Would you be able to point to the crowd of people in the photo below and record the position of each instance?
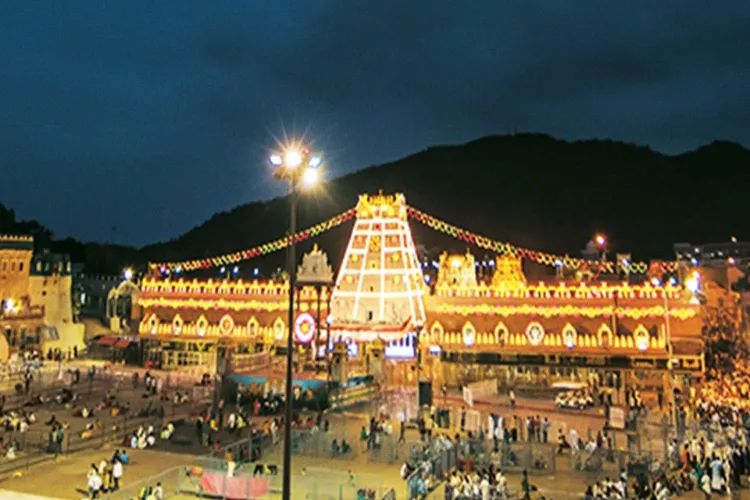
(105, 476)
(487, 484)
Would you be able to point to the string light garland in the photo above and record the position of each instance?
(260, 250)
(499, 247)
(655, 267)
(566, 310)
(158, 288)
(563, 291)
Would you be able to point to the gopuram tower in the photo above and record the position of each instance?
(379, 287)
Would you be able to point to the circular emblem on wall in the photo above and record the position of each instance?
(535, 333)
(304, 328)
(226, 325)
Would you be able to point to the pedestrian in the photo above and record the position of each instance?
(93, 482)
(158, 492)
(116, 473)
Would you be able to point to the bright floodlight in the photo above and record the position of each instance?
(315, 161)
(309, 178)
(600, 240)
(292, 159)
(128, 274)
(276, 160)
(693, 283)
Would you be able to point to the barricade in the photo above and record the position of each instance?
(173, 481)
(390, 494)
(437, 460)
(36, 447)
(390, 450)
(208, 478)
(337, 444)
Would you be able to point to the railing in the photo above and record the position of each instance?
(435, 464)
(248, 362)
(38, 447)
(211, 480)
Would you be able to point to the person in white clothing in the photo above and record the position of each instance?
(158, 492)
(94, 483)
(116, 473)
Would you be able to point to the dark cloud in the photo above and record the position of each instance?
(150, 118)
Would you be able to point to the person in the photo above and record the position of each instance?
(526, 487)
(158, 492)
(116, 473)
(94, 482)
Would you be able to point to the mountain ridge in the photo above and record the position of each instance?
(532, 190)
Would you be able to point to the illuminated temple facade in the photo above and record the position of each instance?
(545, 332)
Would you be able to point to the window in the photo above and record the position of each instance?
(20, 266)
(5, 266)
(369, 315)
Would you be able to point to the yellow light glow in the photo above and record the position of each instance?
(310, 178)
(600, 240)
(292, 159)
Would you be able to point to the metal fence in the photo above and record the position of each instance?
(173, 481)
(344, 444)
(390, 494)
(314, 484)
(35, 447)
(340, 444)
(436, 461)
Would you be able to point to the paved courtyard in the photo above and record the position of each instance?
(65, 478)
(69, 471)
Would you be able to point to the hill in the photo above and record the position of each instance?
(532, 190)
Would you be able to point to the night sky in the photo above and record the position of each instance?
(150, 116)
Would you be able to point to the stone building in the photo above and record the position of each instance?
(50, 286)
(21, 321)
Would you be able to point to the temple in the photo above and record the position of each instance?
(467, 329)
(379, 289)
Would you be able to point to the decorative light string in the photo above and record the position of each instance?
(260, 250)
(655, 267)
(501, 248)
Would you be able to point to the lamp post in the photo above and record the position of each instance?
(299, 168)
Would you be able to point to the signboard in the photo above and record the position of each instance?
(304, 328)
(616, 418)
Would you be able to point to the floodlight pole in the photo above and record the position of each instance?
(288, 414)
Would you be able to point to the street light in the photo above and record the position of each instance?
(299, 168)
